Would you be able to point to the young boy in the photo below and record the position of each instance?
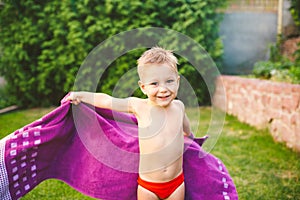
(162, 124)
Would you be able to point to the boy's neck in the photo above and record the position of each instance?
(151, 103)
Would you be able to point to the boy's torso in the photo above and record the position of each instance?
(161, 141)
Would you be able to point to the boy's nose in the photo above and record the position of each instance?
(163, 88)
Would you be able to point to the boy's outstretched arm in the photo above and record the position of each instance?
(101, 100)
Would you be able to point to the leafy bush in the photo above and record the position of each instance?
(279, 68)
(43, 44)
(295, 74)
(5, 98)
(295, 11)
(263, 69)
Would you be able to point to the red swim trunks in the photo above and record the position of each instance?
(162, 190)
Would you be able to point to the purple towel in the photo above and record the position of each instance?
(96, 152)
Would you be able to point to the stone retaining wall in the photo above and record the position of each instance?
(263, 104)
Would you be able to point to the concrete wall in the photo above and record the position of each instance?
(246, 38)
(263, 104)
(248, 29)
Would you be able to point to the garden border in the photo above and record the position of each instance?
(262, 104)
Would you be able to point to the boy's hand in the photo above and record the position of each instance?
(74, 98)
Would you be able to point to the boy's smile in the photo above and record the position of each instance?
(160, 83)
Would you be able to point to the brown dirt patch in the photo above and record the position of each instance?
(290, 46)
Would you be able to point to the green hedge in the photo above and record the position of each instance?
(44, 43)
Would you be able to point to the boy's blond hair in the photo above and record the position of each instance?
(157, 55)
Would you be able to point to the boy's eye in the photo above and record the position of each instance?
(154, 83)
(170, 81)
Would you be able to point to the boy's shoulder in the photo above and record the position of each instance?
(179, 103)
(137, 102)
(137, 105)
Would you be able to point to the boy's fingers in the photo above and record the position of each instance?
(71, 97)
(75, 101)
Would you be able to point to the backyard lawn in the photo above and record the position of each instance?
(260, 168)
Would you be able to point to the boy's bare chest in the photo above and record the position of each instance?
(162, 123)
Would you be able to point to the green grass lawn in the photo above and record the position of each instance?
(260, 168)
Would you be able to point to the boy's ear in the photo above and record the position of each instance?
(178, 82)
(142, 86)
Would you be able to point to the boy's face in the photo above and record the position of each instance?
(160, 83)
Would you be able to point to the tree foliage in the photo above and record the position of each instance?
(43, 43)
(295, 11)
